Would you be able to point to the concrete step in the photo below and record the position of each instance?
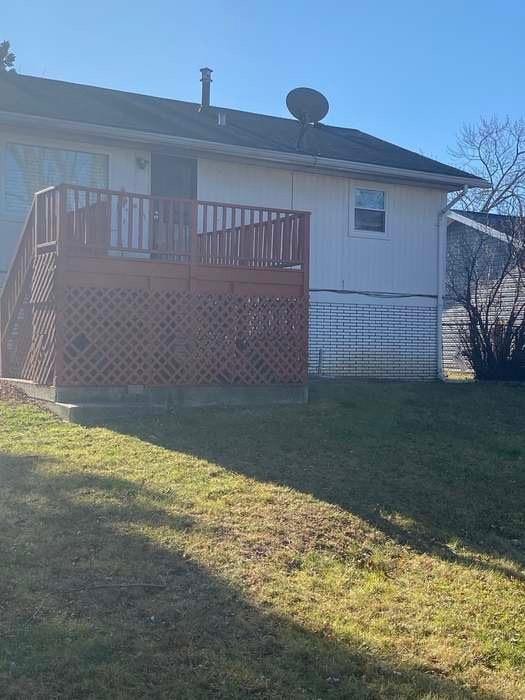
(94, 413)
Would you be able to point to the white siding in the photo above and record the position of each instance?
(327, 199)
(244, 184)
(405, 261)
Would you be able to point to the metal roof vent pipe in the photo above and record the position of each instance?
(206, 85)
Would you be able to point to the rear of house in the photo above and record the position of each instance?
(377, 239)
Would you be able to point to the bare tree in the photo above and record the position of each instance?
(486, 278)
(7, 57)
(486, 281)
(494, 149)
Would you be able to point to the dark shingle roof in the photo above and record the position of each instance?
(94, 105)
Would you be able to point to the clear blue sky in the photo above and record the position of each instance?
(407, 71)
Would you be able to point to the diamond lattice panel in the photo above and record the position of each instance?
(170, 338)
(105, 337)
(122, 336)
(35, 341)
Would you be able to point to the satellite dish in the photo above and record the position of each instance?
(307, 105)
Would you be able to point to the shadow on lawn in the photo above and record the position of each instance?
(431, 465)
(197, 637)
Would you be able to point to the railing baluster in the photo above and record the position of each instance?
(185, 218)
(278, 253)
(163, 228)
(255, 238)
(289, 243)
(293, 242)
(74, 218)
(234, 223)
(141, 224)
(267, 232)
(178, 216)
(85, 218)
(188, 230)
(250, 234)
(242, 230)
(214, 219)
(196, 252)
(259, 253)
(98, 233)
(228, 236)
(166, 235)
(119, 221)
(276, 237)
(50, 231)
(176, 227)
(57, 203)
(166, 221)
(46, 220)
(130, 222)
(267, 239)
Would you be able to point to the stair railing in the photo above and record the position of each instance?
(39, 223)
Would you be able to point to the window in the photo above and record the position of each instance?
(369, 211)
(31, 168)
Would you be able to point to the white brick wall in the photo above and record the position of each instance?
(372, 340)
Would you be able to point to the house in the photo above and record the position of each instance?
(482, 238)
(375, 266)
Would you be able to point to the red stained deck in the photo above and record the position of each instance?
(111, 288)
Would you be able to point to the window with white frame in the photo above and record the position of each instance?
(369, 211)
(32, 168)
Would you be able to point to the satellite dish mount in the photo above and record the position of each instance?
(308, 106)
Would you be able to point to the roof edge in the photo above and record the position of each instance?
(477, 226)
(449, 182)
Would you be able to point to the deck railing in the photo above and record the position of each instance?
(106, 222)
(15, 285)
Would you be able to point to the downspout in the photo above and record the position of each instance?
(441, 270)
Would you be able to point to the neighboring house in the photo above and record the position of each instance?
(482, 237)
(377, 237)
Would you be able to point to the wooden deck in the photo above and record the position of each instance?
(110, 288)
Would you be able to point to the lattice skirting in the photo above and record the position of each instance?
(39, 365)
(19, 340)
(31, 342)
(134, 336)
(369, 340)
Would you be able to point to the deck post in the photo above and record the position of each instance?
(36, 221)
(306, 282)
(194, 242)
(61, 223)
(306, 254)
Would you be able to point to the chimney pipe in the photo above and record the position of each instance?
(206, 84)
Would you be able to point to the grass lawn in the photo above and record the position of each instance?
(368, 545)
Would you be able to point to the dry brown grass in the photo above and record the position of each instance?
(370, 544)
